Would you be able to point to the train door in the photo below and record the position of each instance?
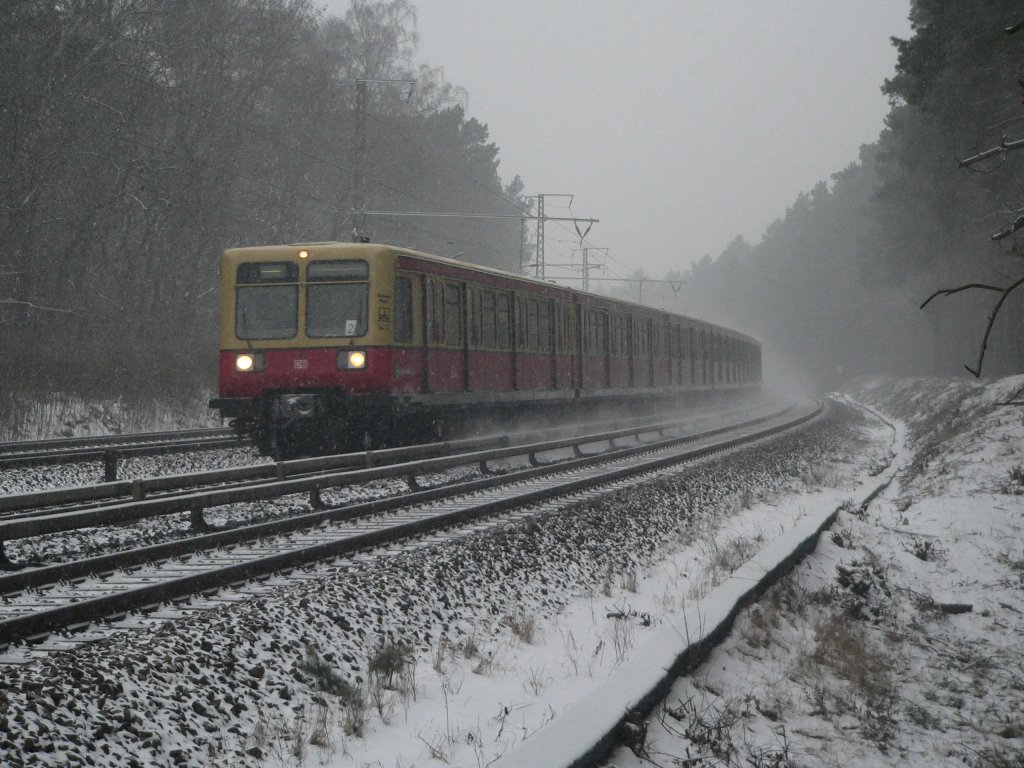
(576, 341)
(595, 349)
(643, 363)
(490, 353)
(627, 346)
(563, 367)
(705, 378)
(673, 353)
(455, 333)
(407, 363)
(445, 352)
(546, 344)
(603, 348)
(691, 354)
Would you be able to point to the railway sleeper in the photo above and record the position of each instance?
(316, 501)
(198, 522)
(138, 492)
(6, 564)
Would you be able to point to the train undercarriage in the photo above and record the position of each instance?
(287, 425)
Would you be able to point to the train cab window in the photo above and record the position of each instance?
(336, 298)
(452, 314)
(403, 309)
(267, 300)
(504, 321)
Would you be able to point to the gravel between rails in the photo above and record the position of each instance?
(194, 691)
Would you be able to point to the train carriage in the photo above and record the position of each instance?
(338, 346)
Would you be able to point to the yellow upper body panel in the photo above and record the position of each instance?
(380, 301)
(380, 280)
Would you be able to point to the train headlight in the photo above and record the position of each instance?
(250, 361)
(351, 359)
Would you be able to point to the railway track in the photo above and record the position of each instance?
(62, 504)
(110, 449)
(38, 602)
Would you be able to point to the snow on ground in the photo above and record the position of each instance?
(862, 656)
(61, 415)
(440, 654)
(454, 654)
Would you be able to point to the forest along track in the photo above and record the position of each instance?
(32, 614)
(111, 448)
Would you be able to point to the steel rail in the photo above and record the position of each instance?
(138, 489)
(88, 609)
(130, 438)
(111, 449)
(12, 528)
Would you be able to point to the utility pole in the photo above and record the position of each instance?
(358, 220)
(541, 218)
(357, 196)
(538, 262)
(587, 266)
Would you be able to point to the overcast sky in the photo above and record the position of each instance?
(679, 124)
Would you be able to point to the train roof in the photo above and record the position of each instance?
(369, 250)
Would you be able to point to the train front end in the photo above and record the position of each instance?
(306, 335)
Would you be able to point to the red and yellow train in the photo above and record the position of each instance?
(338, 346)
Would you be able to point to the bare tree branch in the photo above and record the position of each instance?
(991, 321)
(951, 291)
(1002, 149)
(1004, 293)
(41, 307)
(1017, 224)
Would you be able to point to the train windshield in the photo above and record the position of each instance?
(336, 298)
(266, 304)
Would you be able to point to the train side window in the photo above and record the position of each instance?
(560, 326)
(504, 321)
(570, 324)
(435, 317)
(403, 309)
(617, 336)
(544, 325)
(487, 318)
(531, 341)
(473, 312)
(452, 314)
(639, 337)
